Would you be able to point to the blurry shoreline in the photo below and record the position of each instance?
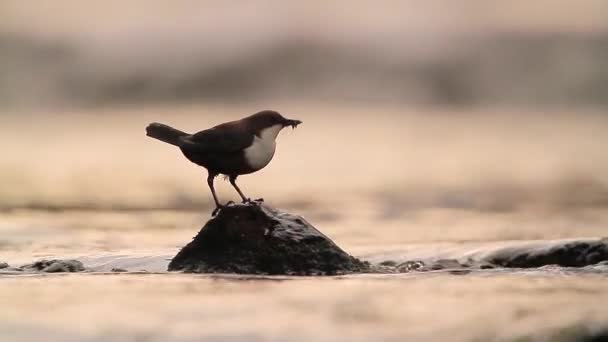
(534, 70)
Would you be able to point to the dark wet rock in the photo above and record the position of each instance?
(446, 264)
(257, 239)
(52, 266)
(3, 265)
(565, 254)
(118, 270)
(578, 333)
(460, 272)
(389, 263)
(409, 266)
(594, 336)
(421, 266)
(382, 269)
(485, 266)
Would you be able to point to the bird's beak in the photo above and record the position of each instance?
(292, 123)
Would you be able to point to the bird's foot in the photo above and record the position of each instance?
(255, 201)
(220, 207)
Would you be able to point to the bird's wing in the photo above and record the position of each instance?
(215, 141)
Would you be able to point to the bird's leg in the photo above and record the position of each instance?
(233, 182)
(218, 206)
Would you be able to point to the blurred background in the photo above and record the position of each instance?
(466, 106)
(548, 54)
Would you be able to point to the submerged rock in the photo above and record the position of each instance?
(388, 263)
(412, 265)
(421, 266)
(442, 264)
(54, 266)
(577, 333)
(256, 239)
(566, 254)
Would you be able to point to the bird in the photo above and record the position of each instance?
(231, 149)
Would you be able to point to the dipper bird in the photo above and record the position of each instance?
(232, 149)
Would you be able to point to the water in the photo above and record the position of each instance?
(460, 186)
(159, 307)
(147, 303)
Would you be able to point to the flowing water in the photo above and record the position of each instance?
(384, 184)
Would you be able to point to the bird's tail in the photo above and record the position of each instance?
(165, 133)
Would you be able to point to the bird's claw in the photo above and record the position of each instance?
(249, 200)
(229, 203)
(220, 207)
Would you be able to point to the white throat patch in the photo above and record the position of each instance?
(260, 153)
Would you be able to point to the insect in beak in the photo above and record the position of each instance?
(292, 123)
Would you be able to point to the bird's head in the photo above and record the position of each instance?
(271, 120)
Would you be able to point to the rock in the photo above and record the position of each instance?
(460, 272)
(577, 333)
(52, 266)
(118, 270)
(421, 266)
(3, 265)
(594, 336)
(389, 263)
(446, 264)
(565, 254)
(256, 239)
(382, 269)
(412, 265)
